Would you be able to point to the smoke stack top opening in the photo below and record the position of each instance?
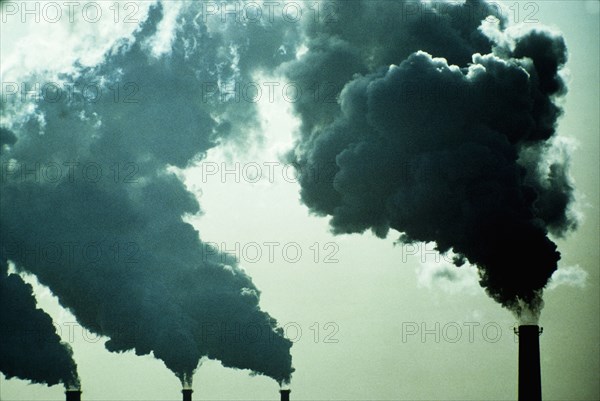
(73, 395)
(187, 394)
(285, 394)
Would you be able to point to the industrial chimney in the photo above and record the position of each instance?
(187, 394)
(285, 395)
(73, 395)
(530, 379)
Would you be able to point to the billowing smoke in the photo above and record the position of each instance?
(25, 328)
(444, 130)
(90, 203)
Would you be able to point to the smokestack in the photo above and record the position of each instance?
(530, 379)
(73, 395)
(187, 394)
(285, 395)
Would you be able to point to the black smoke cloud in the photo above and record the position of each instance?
(25, 328)
(442, 132)
(99, 220)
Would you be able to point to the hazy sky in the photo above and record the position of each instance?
(369, 320)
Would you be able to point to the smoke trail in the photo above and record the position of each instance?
(24, 328)
(458, 150)
(89, 204)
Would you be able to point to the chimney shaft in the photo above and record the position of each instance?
(530, 379)
(187, 394)
(285, 395)
(73, 395)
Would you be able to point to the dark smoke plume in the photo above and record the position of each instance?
(444, 130)
(30, 348)
(90, 206)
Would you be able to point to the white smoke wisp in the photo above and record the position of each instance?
(441, 274)
(569, 276)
